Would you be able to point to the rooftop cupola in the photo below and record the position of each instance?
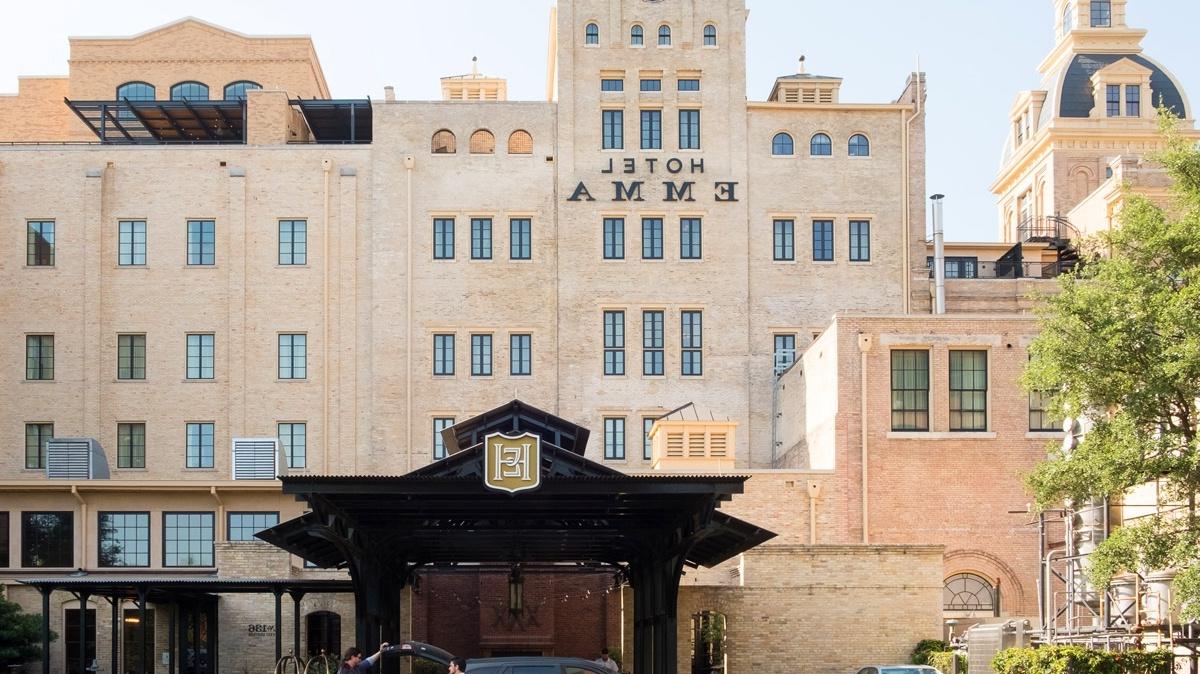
(474, 86)
(804, 87)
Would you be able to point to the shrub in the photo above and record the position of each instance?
(1079, 660)
(920, 654)
(942, 660)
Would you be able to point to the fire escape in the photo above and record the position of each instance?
(1052, 230)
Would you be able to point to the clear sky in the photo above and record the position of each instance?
(977, 56)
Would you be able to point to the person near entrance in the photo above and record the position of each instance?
(457, 666)
(606, 662)
(353, 661)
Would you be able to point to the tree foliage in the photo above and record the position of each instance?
(20, 635)
(1120, 346)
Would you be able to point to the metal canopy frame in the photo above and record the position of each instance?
(382, 529)
(128, 122)
(337, 121)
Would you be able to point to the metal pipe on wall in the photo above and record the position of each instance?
(939, 256)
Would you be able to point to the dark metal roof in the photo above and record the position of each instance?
(514, 418)
(807, 76)
(337, 121)
(1076, 98)
(168, 586)
(151, 122)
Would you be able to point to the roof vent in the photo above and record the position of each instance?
(75, 459)
(255, 458)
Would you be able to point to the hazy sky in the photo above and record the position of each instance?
(977, 56)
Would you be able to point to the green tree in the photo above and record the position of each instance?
(20, 635)
(1120, 346)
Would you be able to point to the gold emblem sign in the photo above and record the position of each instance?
(512, 463)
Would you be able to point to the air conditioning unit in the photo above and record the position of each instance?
(255, 458)
(75, 459)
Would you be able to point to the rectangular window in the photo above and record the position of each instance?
(439, 445)
(612, 85)
(201, 242)
(692, 342)
(1113, 98)
(689, 129)
(481, 238)
(785, 240)
(957, 267)
(652, 238)
(1040, 416)
(73, 637)
(243, 526)
(39, 245)
(131, 243)
(293, 242)
(131, 445)
(131, 356)
(520, 240)
(200, 356)
(124, 539)
(36, 436)
(822, 240)
(910, 390)
(860, 240)
(4, 540)
(48, 540)
(132, 657)
(651, 85)
(443, 354)
(481, 355)
(1101, 13)
(968, 390)
(1133, 100)
(653, 343)
(293, 436)
(200, 445)
(293, 356)
(39, 357)
(785, 351)
(520, 355)
(443, 238)
(614, 342)
(689, 238)
(614, 438)
(647, 448)
(689, 85)
(614, 238)
(613, 129)
(651, 129)
(188, 539)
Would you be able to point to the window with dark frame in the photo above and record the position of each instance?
(131, 243)
(691, 343)
(236, 91)
(614, 343)
(39, 248)
(200, 356)
(653, 343)
(785, 351)
(647, 445)
(614, 238)
(293, 436)
(968, 390)
(131, 356)
(481, 238)
(199, 452)
(1133, 100)
(860, 241)
(689, 239)
(689, 129)
(612, 129)
(688, 84)
(957, 266)
(241, 526)
(664, 36)
(443, 238)
(651, 129)
(201, 243)
(520, 240)
(188, 539)
(859, 146)
(1041, 418)
(439, 445)
(782, 145)
(614, 438)
(1113, 99)
(591, 34)
(784, 248)
(5, 537)
(131, 445)
(820, 145)
(636, 36)
(36, 435)
(910, 390)
(39, 357)
(1101, 13)
(74, 637)
(652, 238)
(520, 355)
(293, 355)
(293, 242)
(124, 539)
(481, 355)
(192, 91)
(612, 84)
(822, 250)
(48, 540)
(443, 355)
(650, 84)
(710, 35)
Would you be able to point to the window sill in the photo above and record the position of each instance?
(210, 380)
(199, 470)
(292, 381)
(132, 266)
(941, 435)
(860, 263)
(825, 262)
(130, 381)
(37, 381)
(1044, 435)
(291, 266)
(784, 262)
(200, 266)
(40, 266)
(131, 470)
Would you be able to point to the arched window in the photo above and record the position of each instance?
(483, 142)
(710, 35)
(708, 642)
(1068, 18)
(860, 146)
(192, 91)
(520, 142)
(444, 142)
(135, 91)
(967, 592)
(324, 630)
(236, 91)
(591, 34)
(820, 145)
(635, 36)
(664, 35)
(782, 145)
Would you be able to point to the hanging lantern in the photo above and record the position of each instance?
(516, 591)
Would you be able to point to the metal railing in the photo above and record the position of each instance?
(1014, 270)
(1046, 228)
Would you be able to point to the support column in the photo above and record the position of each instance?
(83, 663)
(45, 629)
(115, 656)
(278, 624)
(655, 599)
(170, 640)
(142, 617)
(297, 595)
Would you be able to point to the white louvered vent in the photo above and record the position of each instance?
(75, 459)
(255, 458)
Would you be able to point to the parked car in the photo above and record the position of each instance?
(523, 664)
(898, 669)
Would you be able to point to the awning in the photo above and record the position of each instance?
(337, 121)
(152, 122)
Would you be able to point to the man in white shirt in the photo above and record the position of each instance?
(607, 662)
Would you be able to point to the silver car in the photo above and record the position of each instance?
(898, 669)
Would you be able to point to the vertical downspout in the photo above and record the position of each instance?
(326, 167)
(906, 281)
(864, 347)
(939, 256)
(410, 162)
(83, 532)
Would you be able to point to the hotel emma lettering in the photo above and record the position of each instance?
(674, 189)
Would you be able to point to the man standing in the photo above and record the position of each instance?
(607, 662)
(457, 666)
(354, 663)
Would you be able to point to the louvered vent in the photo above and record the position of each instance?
(75, 459)
(692, 445)
(255, 458)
